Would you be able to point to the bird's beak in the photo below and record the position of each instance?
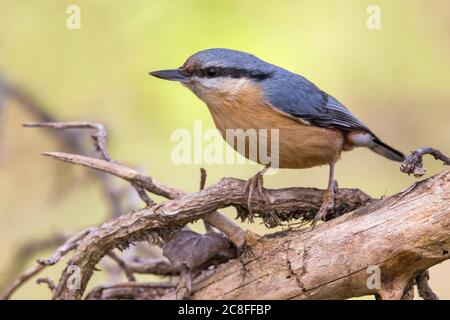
(172, 75)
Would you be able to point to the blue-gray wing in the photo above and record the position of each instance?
(297, 97)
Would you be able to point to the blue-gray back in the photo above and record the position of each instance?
(287, 91)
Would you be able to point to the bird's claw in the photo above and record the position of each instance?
(255, 182)
(327, 204)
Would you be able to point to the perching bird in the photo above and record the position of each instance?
(245, 92)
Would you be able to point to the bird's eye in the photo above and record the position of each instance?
(211, 72)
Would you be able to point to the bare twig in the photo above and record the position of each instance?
(227, 226)
(24, 277)
(232, 230)
(413, 164)
(28, 250)
(425, 292)
(143, 195)
(123, 265)
(156, 266)
(408, 292)
(73, 142)
(309, 199)
(67, 246)
(115, 196)
(50, 284)
(99, 138)
(99, 135)
(208, 227)
(114, 168)
(202, 178)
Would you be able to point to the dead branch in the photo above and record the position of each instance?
(156, 266)
(74, 143)
(99, 138)
(286, 204)
(27, 251)
(413, 164)
(123, 265)
(50, 284)
(203, 176)
(176, 213)
(423, 287)
(402, 235)
(67, 246)
(290, 257)
(99, 135)
(234, 232)
(231, 229)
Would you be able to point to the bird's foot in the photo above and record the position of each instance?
(327, 204)
(255, 183)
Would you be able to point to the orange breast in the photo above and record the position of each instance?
(300, 145)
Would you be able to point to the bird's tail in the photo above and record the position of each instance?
(383, 149)
(369, 140)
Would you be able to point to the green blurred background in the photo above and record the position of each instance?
(395, 79)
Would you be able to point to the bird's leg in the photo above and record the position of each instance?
(255, 182)
(328, 198)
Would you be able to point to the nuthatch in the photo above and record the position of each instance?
(244, 92)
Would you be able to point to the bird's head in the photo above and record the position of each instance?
(224, 72)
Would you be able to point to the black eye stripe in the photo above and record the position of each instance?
(214, 72)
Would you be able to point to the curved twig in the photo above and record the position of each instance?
(413, 164)
(62, 250)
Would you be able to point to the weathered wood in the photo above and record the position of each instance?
(402, 235)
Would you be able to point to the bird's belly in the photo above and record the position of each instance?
(299, 145)
(307, 146)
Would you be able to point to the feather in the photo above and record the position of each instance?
(297, 97)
